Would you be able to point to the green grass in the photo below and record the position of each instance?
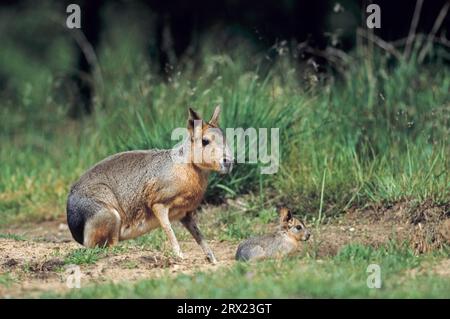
(84, 256)
(234, 225)
(343, 276)
(6, 280)
(88, 256)
(155, 240)
(12, 236)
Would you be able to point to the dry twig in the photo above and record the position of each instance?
(434, 30)
(412, 29)
(380, 42)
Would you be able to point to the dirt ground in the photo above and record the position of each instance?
(37, 264)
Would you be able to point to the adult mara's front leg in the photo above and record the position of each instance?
(189, 222)
(162, 214)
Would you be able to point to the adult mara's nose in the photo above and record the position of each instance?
(306, 236)
(226, 165)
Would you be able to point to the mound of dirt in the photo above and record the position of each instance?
(426, 226)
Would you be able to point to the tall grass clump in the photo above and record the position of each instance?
(384, 137)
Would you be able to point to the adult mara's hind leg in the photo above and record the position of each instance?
(102, 228)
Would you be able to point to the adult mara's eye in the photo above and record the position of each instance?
(294, 229)
(205, 142)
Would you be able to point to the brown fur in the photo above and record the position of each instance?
(131, 193)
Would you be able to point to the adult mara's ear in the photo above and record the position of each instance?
(285, 215)
(215, 117)
(193, 116)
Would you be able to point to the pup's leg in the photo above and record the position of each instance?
(189, 222)
(162, 214)
(102, 229)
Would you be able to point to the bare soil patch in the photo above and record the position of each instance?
(426, 226)
(38, 264)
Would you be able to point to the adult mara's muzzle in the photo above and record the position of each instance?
(226, 166)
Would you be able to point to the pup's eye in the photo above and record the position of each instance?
(205, 142)
(299, 227)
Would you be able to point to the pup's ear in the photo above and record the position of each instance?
(215, 117)
(193, 116)
(285, 215)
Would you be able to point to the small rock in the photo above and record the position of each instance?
(352, 229)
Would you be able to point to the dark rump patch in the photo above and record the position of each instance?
(79, 210)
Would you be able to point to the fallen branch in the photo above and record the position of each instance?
(381, 43)
(413, 28)
(88, 52)
(434, 30)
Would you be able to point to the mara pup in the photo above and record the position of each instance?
(131, 193)
(282, 243)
